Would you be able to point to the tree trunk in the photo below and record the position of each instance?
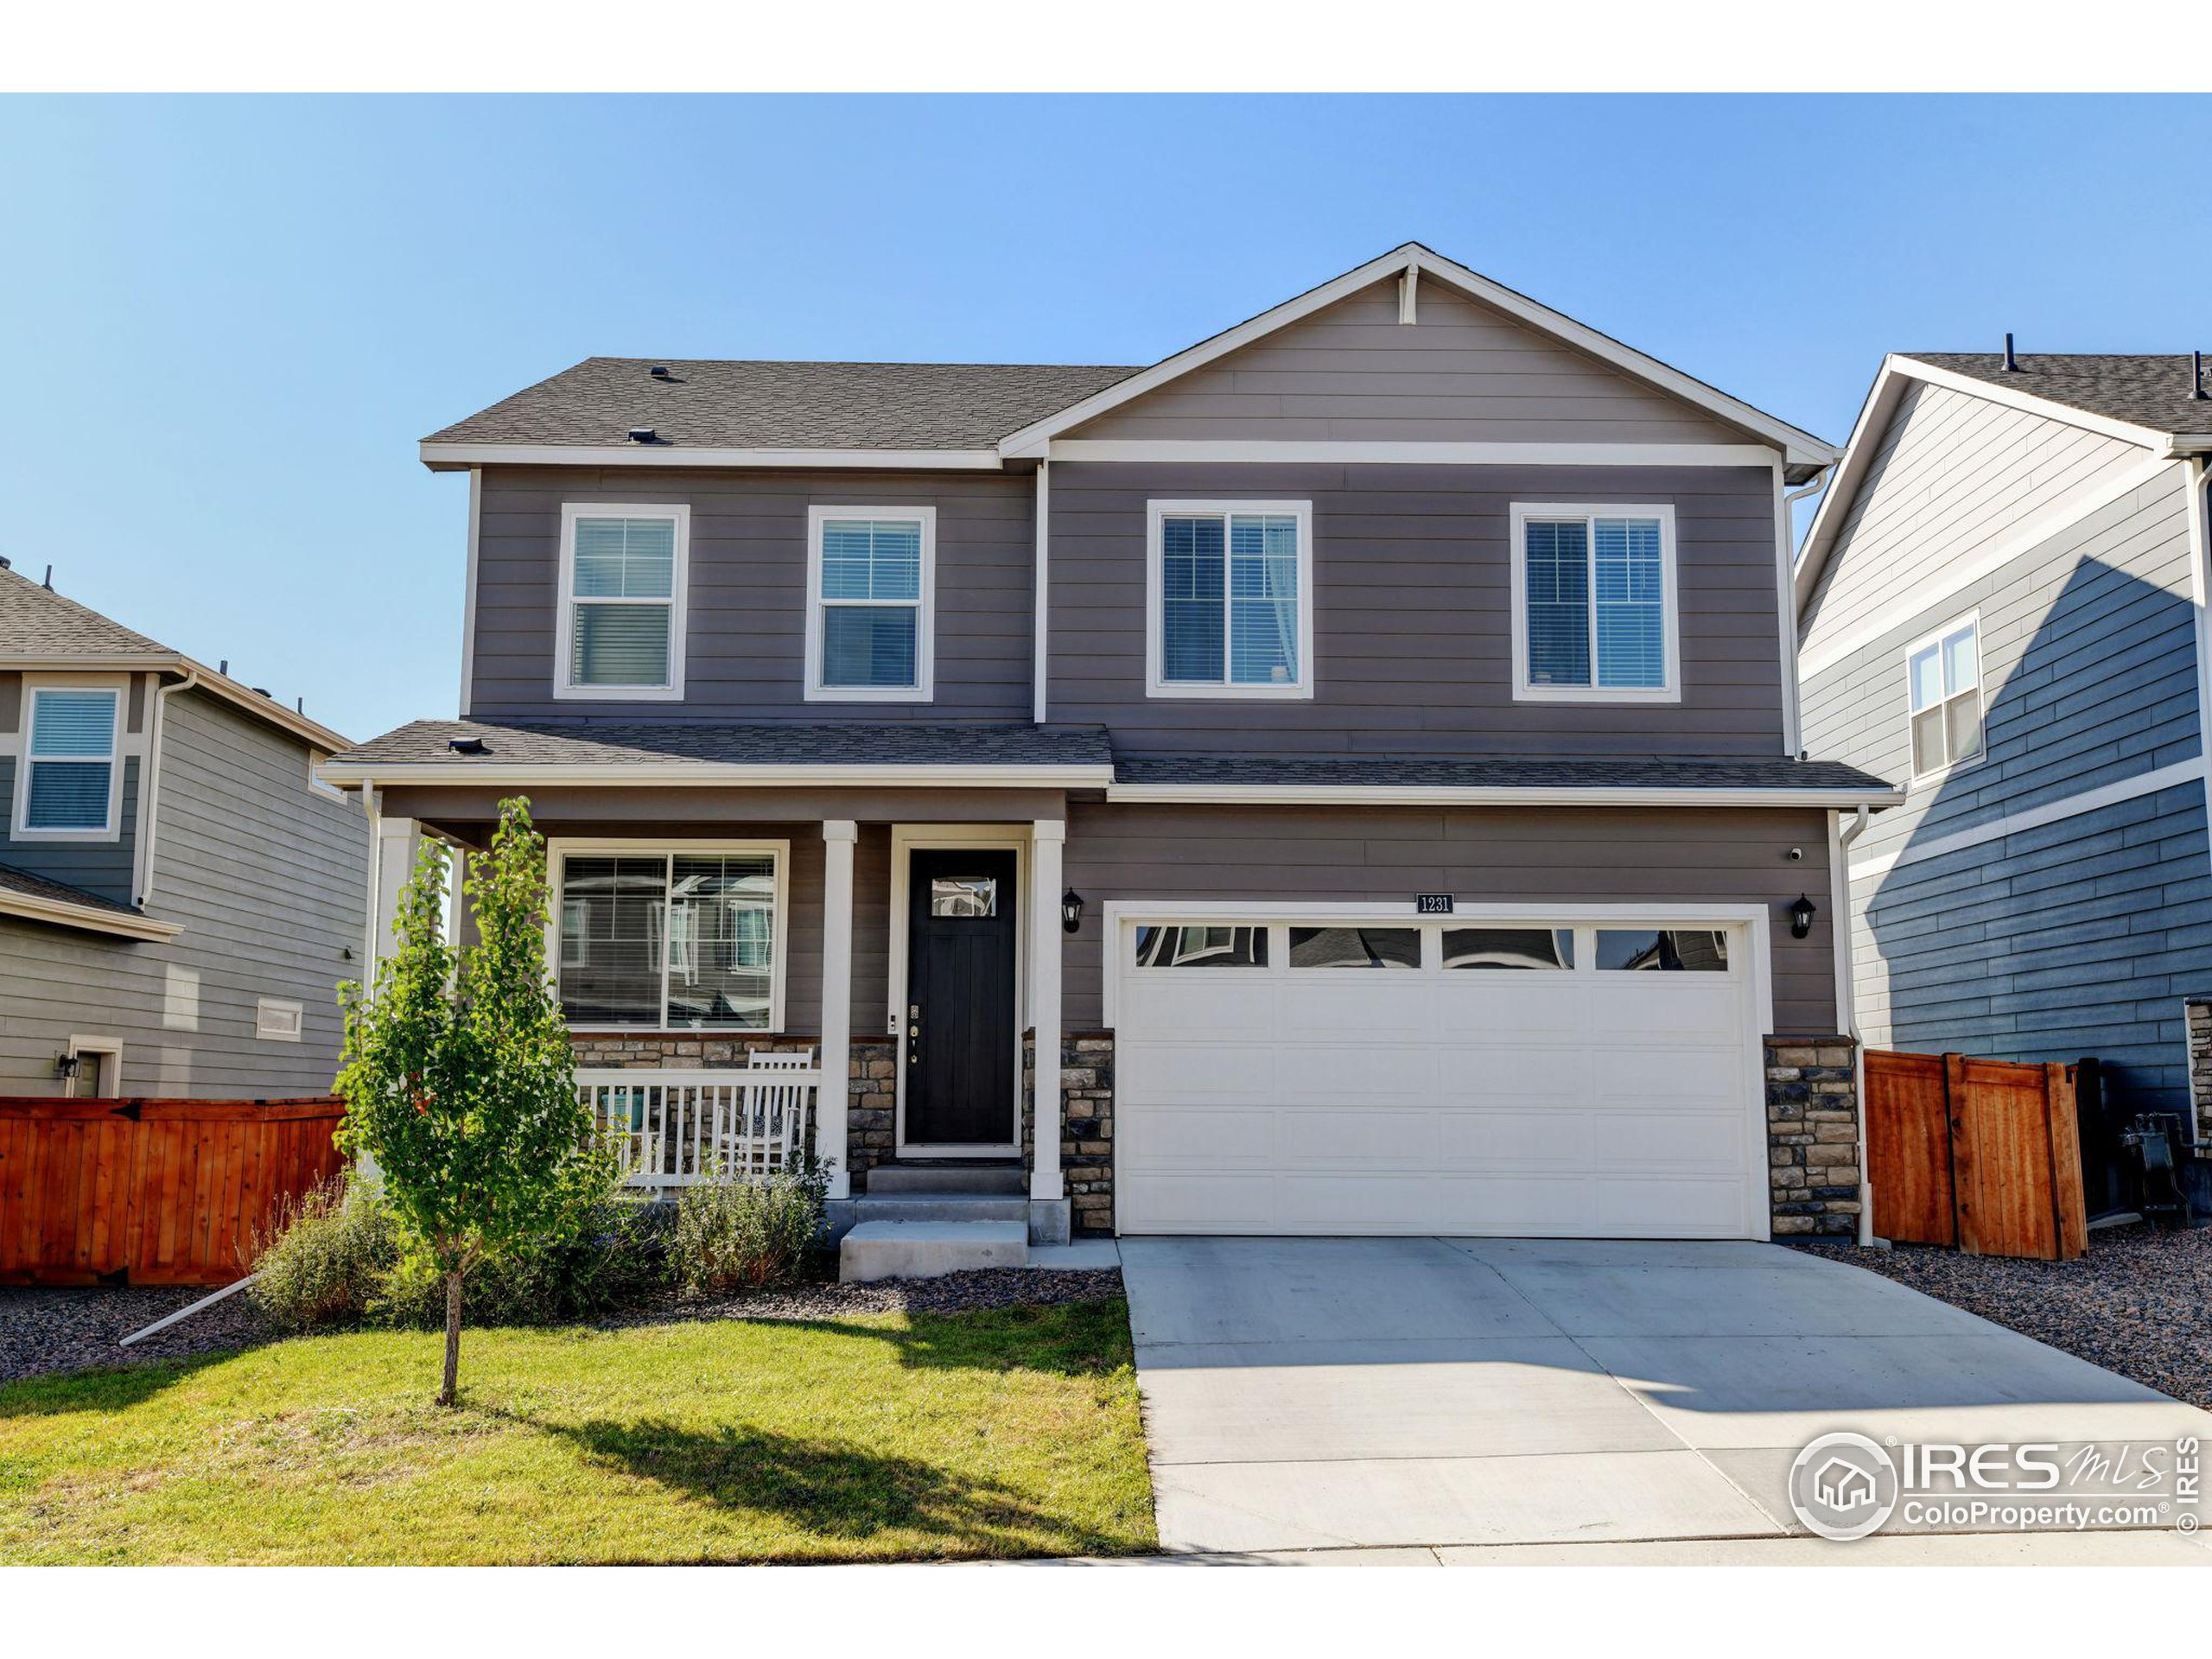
(453, 1339)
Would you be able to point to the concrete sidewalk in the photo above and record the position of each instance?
(1306, 1395)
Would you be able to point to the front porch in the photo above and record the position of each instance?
(724, 967)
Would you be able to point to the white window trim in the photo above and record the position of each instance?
(266, 1031)
(1156, 682)
(112, 1077)
(1970, 619)
(1523, 691)
(564, 689)
(924, 689)
(18, 826)
(558, 851)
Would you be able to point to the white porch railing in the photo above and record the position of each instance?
(673, 1126)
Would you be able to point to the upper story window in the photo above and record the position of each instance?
(622, 592)
(683, 937)
(1230, 585)
(1944, 672)
(871, 579)
(69, 786)
(1593, 604)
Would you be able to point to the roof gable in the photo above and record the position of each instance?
(1803, 451)
(1461, 372)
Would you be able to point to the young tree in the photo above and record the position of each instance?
(458, 1078)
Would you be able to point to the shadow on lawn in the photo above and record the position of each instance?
(832, 1491)
(1072, 1339)
(59, 1393)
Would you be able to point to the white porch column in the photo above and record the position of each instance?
(838, 836)
(1047, 837)
(398, 842)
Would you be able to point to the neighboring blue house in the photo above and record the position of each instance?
(2002, 599)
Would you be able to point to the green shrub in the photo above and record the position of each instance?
(329, 1257)
(742, 1236)
(336, 1258)
(613, 1257)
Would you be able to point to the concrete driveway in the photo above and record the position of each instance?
(1328, 1394)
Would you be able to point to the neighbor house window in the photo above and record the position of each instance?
(1945, 675)
(684, 939)
(67, 787)
(871, 571)
(622, 601)
(1593, 603)
(1231, 585)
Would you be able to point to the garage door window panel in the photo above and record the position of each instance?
(1202, 947)
(1663, 949)
(1509, 948)
(1355, 947)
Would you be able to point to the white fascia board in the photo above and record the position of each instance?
(454, 456)
(1799, 447)
(709, 776)
(1328, 451)
(1881, 399)
(311, 731)
(91, 918)
(1452, 795)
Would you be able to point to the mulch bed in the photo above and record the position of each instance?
(48, 1330)
(2138, 1303)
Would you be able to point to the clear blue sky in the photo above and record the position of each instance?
(224, 324)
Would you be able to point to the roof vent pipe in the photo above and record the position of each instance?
(49, 578)
(2011, 363)
(2197, 377)
(641, 434)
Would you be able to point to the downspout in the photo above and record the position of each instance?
(1785, 536)
(156, 723)
(1841, 836)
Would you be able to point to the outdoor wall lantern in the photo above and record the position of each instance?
(66, 1066)
(1071, 910)
(1800, 918)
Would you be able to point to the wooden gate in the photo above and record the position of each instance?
(151, 1191)
(1982, 1154)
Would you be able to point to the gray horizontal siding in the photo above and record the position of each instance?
(1413, 613)
(1951, 475)
(2077, 939)
(1478, 854)
(2088, 674)
(747, 590)
(101, 867)
(1462, 374)
(267, 879)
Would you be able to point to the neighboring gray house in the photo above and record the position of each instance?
(179, 894)
(2002, 600)
(1361, 749)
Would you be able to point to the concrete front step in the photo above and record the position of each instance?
(899, 1180)
(940, 1206)
(929, 1249)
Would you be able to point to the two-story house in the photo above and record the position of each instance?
(2002, 600)
(1360, 748)
(180, 895)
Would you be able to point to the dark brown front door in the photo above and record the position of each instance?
(960, 1032)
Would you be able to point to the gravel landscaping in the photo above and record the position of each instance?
(2136, 1303)
(48, 1330)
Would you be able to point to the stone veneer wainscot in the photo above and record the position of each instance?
(1812, 1137)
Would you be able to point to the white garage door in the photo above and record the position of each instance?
(1581, 1078)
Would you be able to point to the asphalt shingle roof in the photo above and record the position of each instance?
(1505, 771)
(37, 886)
(619, 743)
(36, 622)
(2147, 390)
(717, 405)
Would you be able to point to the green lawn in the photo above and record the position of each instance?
(873, 1438)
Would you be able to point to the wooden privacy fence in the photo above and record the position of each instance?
(151, 1191)
(1982, 1154)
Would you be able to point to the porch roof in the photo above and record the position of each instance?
(40, 899)
(993, 754)
(1596, 780)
